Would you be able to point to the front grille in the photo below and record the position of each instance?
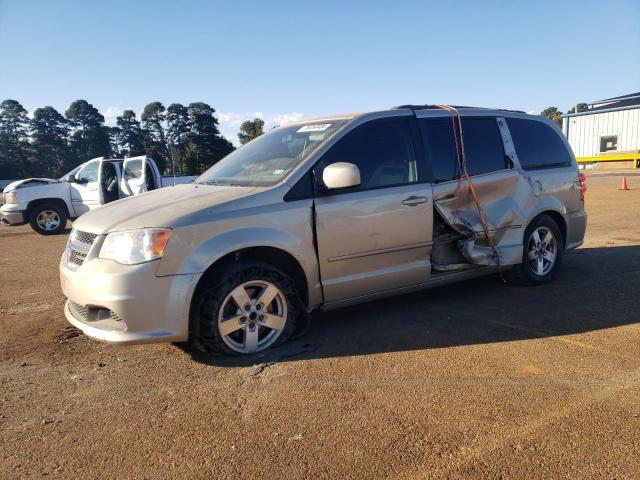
(76, 257)
(79, 245)
(85, 237)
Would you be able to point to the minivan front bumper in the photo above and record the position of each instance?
(126, 303)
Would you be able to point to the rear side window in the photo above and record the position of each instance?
(133, 170)
(382, 150)
(537, 144)
(483, 146)
(440, 148)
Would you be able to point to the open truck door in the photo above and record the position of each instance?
(86, 193)
(139, 175)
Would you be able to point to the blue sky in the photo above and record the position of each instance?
(283, 59)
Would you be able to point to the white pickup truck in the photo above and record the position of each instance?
(47, 204)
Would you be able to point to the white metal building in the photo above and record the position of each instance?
(608, 130)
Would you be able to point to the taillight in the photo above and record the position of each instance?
(582, 178)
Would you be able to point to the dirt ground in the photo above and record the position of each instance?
(476, 380)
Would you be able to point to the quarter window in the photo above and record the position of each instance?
(382, 150)
(537, 144)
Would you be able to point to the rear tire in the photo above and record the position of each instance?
(542, 253)
(48, 219)
(252, 308)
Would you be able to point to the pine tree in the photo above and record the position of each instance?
(49, 135)
(130, 137)
(153, 125)
(89, 137)
(206, 145)
(178, 135)
(14, 145)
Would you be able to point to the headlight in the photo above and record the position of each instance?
(135, 246)
(10, 197)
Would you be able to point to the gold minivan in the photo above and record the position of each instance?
(325, 213)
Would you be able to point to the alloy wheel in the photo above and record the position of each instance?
(252, 316)
(48, 220)
(542, 251)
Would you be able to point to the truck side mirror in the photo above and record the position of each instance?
(341, 175)
(72, 179)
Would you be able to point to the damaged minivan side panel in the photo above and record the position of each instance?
(505, 195)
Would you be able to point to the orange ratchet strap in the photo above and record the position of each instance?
(462, 167)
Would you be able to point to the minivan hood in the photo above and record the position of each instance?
(164, 207)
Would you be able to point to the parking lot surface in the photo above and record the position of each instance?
(474, 380)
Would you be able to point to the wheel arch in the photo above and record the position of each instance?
(557, 217)
(278, 258)
(51, 201)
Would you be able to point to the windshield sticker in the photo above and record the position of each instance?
(278, 172)
(317, 137)
(314, 128)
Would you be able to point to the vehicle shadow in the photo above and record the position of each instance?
(597, 288)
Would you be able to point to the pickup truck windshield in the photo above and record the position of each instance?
(267, 159)
(72, 172)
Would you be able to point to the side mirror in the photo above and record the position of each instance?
(341, 175)
(72, 179)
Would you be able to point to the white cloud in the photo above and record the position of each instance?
(230, 121)
(111, 113)
(285, 118)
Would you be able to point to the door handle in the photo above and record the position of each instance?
(413, 200)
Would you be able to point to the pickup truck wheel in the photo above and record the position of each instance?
(542, 253)
(48, 219)
(251, 310)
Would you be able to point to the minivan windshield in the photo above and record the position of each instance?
(267, 159)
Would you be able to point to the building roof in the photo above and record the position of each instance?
(621, 97)
(623, 102)
(616, 102)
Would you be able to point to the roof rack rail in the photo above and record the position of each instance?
(436, 107)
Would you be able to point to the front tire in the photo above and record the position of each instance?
(48, 219)
(251, 309)
(542, 253)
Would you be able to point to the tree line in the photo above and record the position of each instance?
(554, 114)
(181, 138)
(49, 144)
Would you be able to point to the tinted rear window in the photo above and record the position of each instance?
(537, 144)
(483, 145)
